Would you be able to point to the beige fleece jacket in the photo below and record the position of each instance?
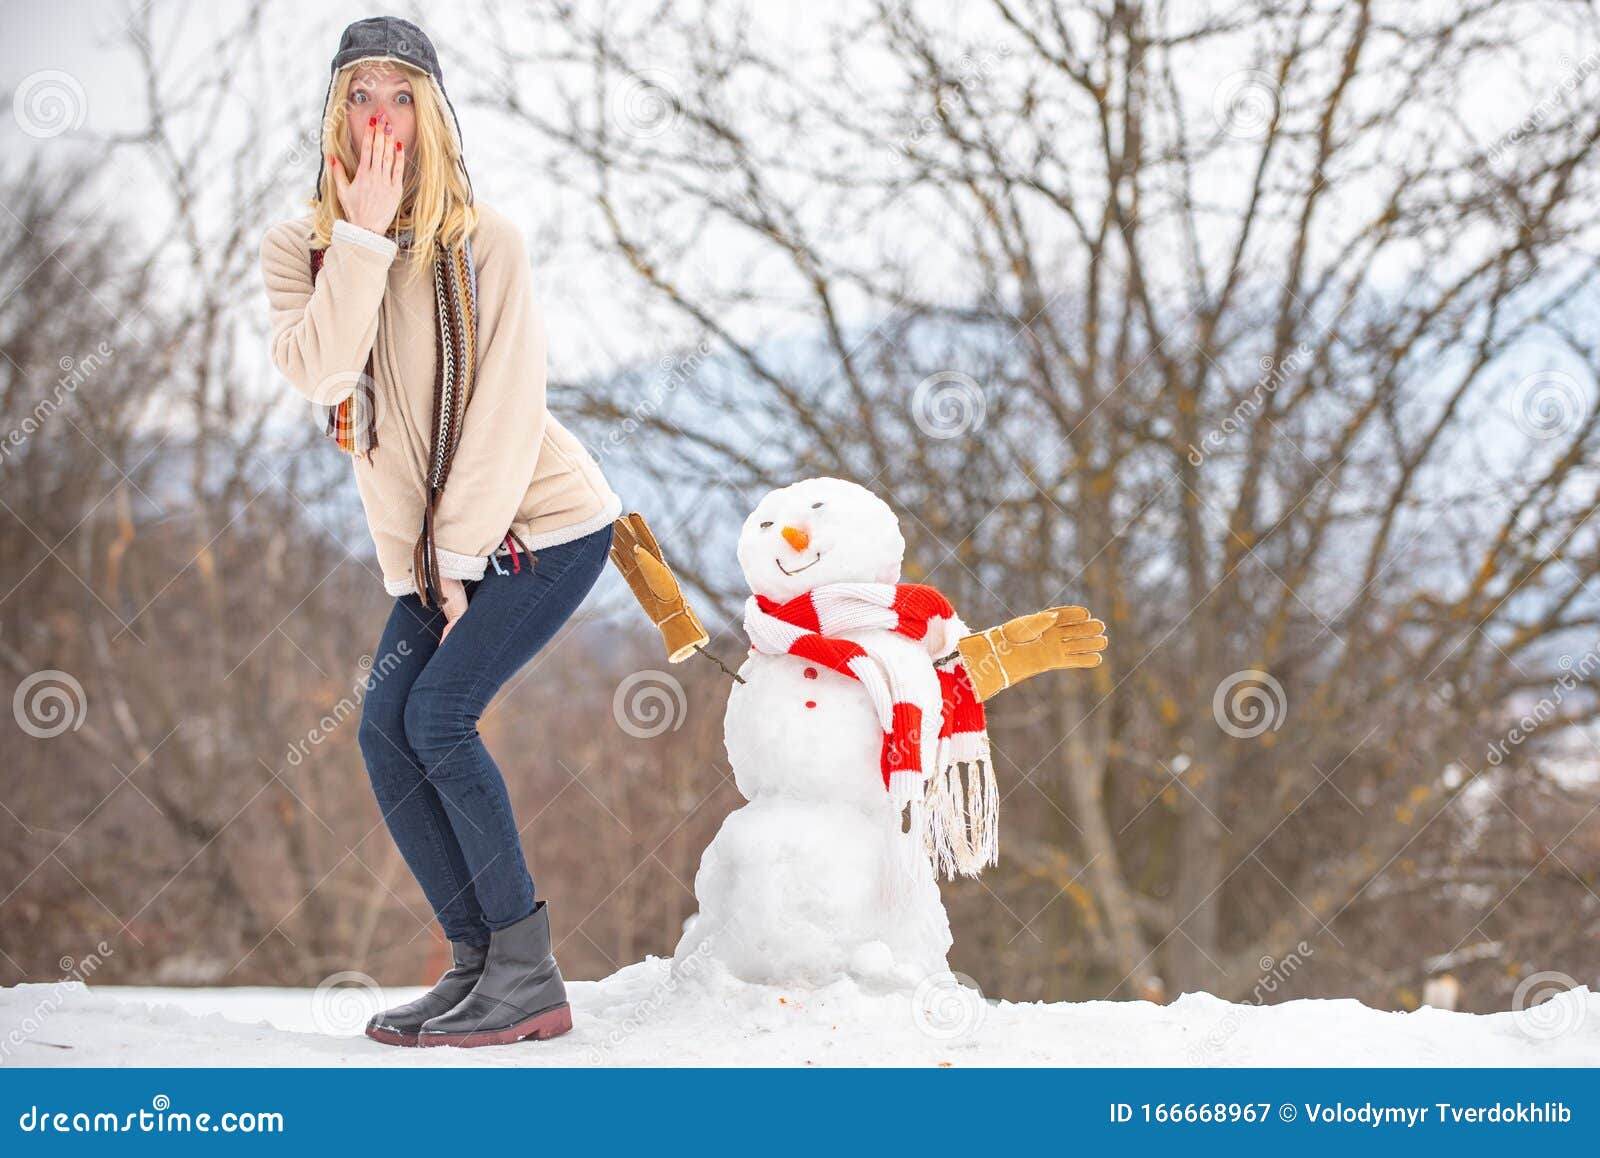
(516, 468)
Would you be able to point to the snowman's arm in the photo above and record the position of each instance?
(634, 551)
(1049, 640)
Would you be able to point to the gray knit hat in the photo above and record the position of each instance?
(389, 38)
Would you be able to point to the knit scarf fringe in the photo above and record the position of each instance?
(963, 816)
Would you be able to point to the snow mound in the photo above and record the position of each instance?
(650, 1014)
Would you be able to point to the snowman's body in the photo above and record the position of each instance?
(800, 885)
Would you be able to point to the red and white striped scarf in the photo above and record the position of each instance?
(924, 741)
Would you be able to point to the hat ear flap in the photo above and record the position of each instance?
(322, 131)
(455, 127)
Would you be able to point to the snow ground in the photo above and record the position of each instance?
(642, 1015)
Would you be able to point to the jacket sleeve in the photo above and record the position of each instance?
(505, 422)
(321, 337)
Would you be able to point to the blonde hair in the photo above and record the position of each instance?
(434, 201)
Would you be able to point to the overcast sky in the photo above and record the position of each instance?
(79, 48)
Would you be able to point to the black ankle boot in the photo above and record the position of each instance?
(520, 993)
(399, 1026)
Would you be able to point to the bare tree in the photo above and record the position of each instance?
(1228, 324)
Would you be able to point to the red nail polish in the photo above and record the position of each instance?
(371, 121)
(397, 146)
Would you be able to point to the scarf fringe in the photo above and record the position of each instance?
(962, 833)
(425, 561)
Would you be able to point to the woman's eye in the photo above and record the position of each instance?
(404, 98)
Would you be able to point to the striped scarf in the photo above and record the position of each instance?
(353, 423)
(924, 742)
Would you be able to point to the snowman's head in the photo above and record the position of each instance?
(819, 530)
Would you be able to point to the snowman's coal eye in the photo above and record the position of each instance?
(814, 506)
(766, 524)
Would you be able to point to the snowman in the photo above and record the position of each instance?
(856, 735)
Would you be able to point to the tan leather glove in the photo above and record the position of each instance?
(634, 551)
(1058, 637)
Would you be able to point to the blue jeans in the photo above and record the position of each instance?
(442, 796)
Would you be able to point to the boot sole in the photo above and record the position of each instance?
(552, 1022)
(391, 1036)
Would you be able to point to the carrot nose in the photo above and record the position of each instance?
(796, 538)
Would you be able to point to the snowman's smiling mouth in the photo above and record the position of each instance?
(797, 570)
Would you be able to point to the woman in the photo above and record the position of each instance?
(408, 308)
